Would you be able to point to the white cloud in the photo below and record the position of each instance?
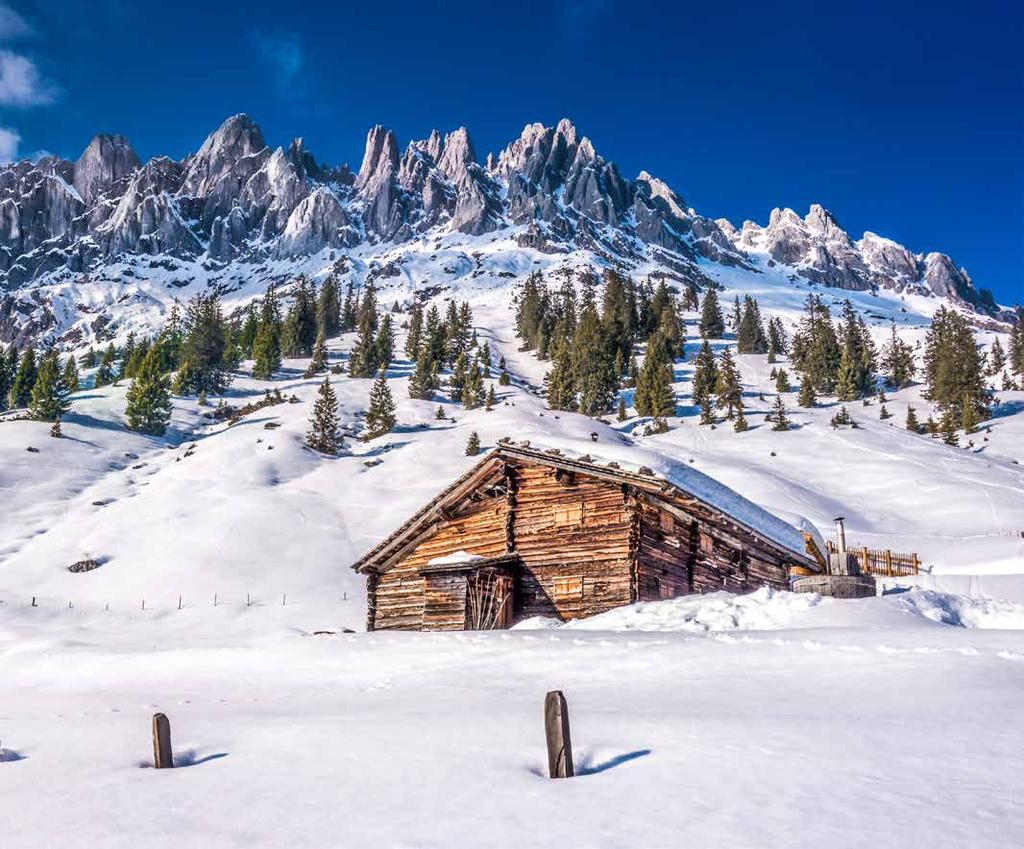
(9, 140)
(282, 53)
(13, 25)
(21, 84)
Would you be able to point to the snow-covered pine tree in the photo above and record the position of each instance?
(323, 424)
(712, 326)
(380, 416)
(473, 444)
(841, 418)
(49, 395)
(148, 400)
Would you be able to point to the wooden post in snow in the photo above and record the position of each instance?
(162, 756)
(556, 729)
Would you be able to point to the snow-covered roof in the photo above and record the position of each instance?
(648, 470)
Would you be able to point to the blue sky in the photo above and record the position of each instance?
(905, 122)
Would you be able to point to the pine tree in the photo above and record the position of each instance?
(148, 407)
(414, 336)
(266, 348)
(998, 358)
(807, 396)
(318, 362)
(328, 308)
(841, 418)
(384, 343)
(727, 384)
(485, 360)
(323, 424)
(492, 399)
(105, 373)
(846, 383)
(883, 412)
(705, 375)
(558, 382)
(440, 414)
(779, 419)
(782, 381)
(203, 367)
(380, 417)
(737, 317)
(473, 444)
(172, 339)
(751, 338)
(20, 393)
(621, 414)
(953, 366)
(473, 391)
(947, 427)
(898, 361)
(1015, 356)
(55, 431)
(362, 360)
(8, 368)
(69, 376)
(968, 416)
(740, 422)
(815, 350)
(593, 372)
(247, 335)
(423, 383)
(776, 338)
(127, 351)
(912, 423)
(49, 396)
(89, 359)
(712, 326)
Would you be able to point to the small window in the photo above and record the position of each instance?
(569, 514)
(667, 524)
(569, 587)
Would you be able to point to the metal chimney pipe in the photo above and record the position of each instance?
(841, 534)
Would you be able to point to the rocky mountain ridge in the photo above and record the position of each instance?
(236, 200)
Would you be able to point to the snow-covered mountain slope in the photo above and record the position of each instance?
(87, 247)
(246, 508)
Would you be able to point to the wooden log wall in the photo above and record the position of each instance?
(573, 536)
(681, 553)
(444, 602)
(400, 592)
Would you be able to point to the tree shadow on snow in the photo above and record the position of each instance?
(8, 756)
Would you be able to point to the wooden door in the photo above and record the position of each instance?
(489, 600)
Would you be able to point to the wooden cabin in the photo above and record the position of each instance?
(534, 533)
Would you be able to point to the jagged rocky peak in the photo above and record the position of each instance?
(319, 221)
(238, 138)
(457, 154)
(105, 160)
(380, 158)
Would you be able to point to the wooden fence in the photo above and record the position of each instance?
(876, 561)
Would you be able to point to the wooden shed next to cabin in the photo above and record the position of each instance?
(533, 533)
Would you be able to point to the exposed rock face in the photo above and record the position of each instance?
(820, 250)
(237, 200)
(105, 161)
